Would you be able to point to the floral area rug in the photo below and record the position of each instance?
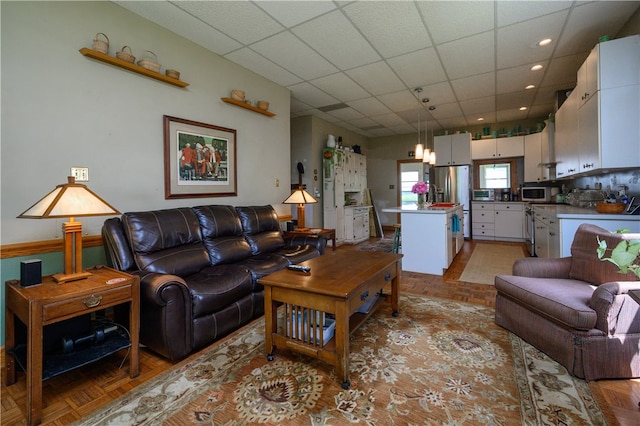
(439, 362)
(385, 244)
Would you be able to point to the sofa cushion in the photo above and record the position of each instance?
(562, 300)
(586, 266)
(264, 264)
(166, 241)
(222, 234)
(216, 287)
(261, 228)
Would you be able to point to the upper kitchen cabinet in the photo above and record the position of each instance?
(452, 150)
(538, 155)
(566, 137)
(482, 149)
(607, 111)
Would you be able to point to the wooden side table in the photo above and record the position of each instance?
(50, 302)
(329, 234)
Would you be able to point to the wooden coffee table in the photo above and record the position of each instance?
(338, 285)
(329, 234)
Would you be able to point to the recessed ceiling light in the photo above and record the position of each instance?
(531, 86)
(544, 42)
(536, 67)
(523, 108)
(481, 119)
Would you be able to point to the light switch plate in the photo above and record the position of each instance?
(80, 173)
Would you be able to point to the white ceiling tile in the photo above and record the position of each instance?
(468, 56)
(453, 20)
(376, 78)
(517, 43)
(311, 95)
(262, 66)
(453, 123)
(515, 100)
(299, 106)
(587, 22)
(476, 86)
(400, 101)
(541, 110)
(393, 28)
(231, 17)
(292, 13)
(478, 106)
(440, 93)
(369, 106)
(364, 123)
(517, 78)
(389, 120)
(295, 56)
(346, 114)
(333, 36)
(418, 68)
(341, 87)
(511, 12)
(489, 117)
(447, 111)
(182, 23)
(510, 115)
(563, 70)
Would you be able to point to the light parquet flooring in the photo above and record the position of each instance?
(71, 396)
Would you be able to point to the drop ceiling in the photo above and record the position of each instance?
(472, 59)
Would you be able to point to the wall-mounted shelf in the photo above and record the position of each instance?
(247, 106)
(131, 67)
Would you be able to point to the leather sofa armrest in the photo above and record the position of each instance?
(317, 241)
(166, 315)
(617, 312)
(537, 267)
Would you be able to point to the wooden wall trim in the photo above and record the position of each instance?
(38, 247)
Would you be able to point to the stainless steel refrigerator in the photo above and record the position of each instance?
(453, 185)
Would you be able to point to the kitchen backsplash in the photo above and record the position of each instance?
(629, 178)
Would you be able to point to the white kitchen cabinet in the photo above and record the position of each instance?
(566, 137)
(355, 172)
(538, 155)
(356, 224)
(509, 221)
(547, 233)
(606, 105)
(483, 220)
(569, 226)
(482, 149)
(452, 149)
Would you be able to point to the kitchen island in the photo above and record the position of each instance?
(431, 237)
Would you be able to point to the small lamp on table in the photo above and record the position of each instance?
(70, 200)
(300, 197)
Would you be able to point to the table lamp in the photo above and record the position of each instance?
(70, 200)
(300, 197)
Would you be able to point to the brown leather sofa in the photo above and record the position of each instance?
(576, 309)
(199, 268)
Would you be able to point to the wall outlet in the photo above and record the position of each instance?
(80, 173)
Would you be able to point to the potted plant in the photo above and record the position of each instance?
(625, 255)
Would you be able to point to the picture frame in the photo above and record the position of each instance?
(199, 159)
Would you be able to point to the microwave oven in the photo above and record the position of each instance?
(483, 194)
(535, 194)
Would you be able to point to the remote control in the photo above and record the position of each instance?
(300, 268)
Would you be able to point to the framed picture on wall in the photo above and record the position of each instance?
(199, 159)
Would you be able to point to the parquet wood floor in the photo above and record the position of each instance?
(71, 396)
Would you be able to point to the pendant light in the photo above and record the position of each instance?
(419, 147)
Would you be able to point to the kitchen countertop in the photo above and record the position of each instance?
(427, 210)
(565, 211)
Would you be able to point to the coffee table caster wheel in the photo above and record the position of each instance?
(271, 357)
(395, 313)
(346, 385)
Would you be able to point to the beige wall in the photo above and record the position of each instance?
(61, 109)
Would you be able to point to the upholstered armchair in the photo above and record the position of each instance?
(576, 309)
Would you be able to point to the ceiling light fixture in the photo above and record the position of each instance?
(480, 118)
(545, 42)
(523, 108)
(419, 147)
(536, 67)
(531, 86)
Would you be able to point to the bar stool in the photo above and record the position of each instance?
(397, 241)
